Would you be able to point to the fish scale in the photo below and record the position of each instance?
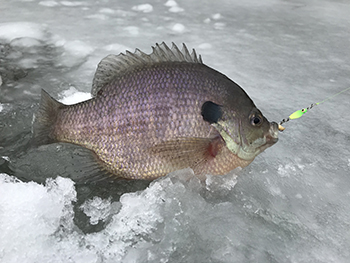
(146, 117)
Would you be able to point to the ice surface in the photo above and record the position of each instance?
(290, 205)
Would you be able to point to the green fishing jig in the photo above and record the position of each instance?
(297, 114)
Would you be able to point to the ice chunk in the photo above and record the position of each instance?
(132, 30)
(219, 25)
(174, 8)
(10, 31)
(49, 3)
(205, 46)
(116, 48)
(25, 42)
(290, 169)
(170, 3)
(107, 11)
(28, 63)
(299, 196)
(145, 8)
(178, 28)
(72, 3)
(222, 183)
(73, 96)
(78, 48)
(5, 107)
(216, 16)
(98, 16)
(76, 52)
(5, 157)
(97, 209)
(207, 20)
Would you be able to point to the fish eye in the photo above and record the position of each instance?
(256, 120)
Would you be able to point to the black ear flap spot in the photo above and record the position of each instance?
(211, 112)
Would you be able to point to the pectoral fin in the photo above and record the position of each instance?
(188, 152)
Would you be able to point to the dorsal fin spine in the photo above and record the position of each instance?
(187, 54)
(136, 58)
(177, 51)
(113, 65)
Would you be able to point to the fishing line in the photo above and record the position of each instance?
(297, 114)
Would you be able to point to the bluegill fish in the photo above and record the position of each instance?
(157, 113)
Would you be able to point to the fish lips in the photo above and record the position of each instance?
(272, 135)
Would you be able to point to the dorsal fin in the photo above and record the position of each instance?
(112, 65)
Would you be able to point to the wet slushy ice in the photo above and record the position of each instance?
(290, 205)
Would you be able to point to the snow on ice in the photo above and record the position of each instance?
(290, 205)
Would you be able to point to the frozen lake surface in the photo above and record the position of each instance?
(290, 205)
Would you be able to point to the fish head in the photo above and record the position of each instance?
(256, 134)
(246, 131)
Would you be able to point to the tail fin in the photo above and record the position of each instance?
(45, 118)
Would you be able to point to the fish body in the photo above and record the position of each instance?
(153, 114)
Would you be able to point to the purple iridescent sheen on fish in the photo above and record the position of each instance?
(154, 114)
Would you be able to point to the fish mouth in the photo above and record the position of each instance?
(272, 135)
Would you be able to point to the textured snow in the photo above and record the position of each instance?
(290, 205)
